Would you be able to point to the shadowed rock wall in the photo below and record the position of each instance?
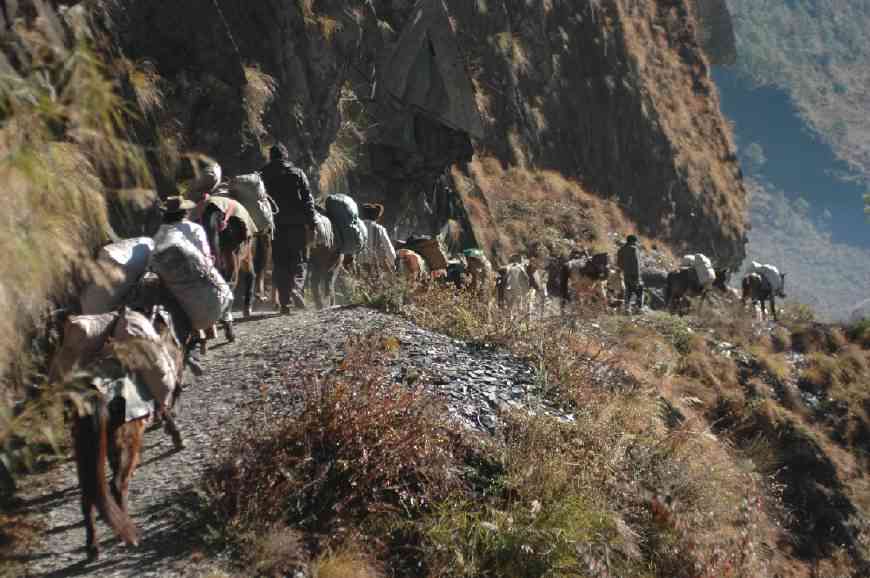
(613, 93)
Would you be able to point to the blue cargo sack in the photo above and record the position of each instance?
(350, 232)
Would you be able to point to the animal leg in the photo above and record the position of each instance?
(128, 443)
(316, 282)
(89, 508)
(170, 428)
(248, 279)
(330, 281)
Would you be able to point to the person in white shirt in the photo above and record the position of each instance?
(379, 256)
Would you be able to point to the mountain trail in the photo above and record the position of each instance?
(476, 383)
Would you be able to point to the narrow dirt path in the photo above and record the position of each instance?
(476, 383)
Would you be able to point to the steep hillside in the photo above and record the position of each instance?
(374, 97)
(431, 107)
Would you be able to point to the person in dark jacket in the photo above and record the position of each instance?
(288, 186)
(628, 260)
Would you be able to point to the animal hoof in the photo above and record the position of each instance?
(249, 311)
(178, 442)
(93, 553)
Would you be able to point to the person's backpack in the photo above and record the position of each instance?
(350, 232)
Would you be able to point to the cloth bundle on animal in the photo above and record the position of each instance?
(250, 191)
(208, 177)
(83, 339)
(231, 209)
(350, 232)
(703, 268)
(769, 273)
(192, 279)
(120, 266)
(150, 376)
(150, 361)
(430, 249)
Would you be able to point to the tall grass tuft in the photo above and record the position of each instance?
(62, 136)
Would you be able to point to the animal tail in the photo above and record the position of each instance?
(91, 447)
(261, 252)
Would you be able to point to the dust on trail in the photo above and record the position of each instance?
(474, 382)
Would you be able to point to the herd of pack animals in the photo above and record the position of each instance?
(242, 258)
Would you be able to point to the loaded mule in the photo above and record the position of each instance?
(325, 259)
(584, 278)
(127, 354)
(240, 249)
(684, 283)
(758, 289)
(336, 236)
(518, 284)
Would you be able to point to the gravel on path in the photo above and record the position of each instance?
(475, 382)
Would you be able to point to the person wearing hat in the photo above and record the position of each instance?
(176, 211)
(628, 260)
(288, 186)
(379, 255)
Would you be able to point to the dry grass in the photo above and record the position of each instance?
(520, 210)
(62, 136)
(817, 337)
(775, 364)
(327, 25)
(346, 562)
(345, 152)
(259, 92)
(146, 82)
(363, 448)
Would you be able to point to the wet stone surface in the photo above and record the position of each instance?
(475, 382)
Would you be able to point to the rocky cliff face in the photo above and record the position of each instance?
(382, 97)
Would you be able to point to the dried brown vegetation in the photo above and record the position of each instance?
(537, 212)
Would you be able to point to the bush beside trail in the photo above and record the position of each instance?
(675, 461)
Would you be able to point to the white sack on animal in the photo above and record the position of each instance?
(121, 266)
(250, 191)
(84, 336)
(703, 268)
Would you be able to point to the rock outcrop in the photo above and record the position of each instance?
(383, 96)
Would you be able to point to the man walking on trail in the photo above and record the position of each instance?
(288, 186)
(628, 259)
(176, 211)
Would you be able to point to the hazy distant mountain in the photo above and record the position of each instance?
(818, 51)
